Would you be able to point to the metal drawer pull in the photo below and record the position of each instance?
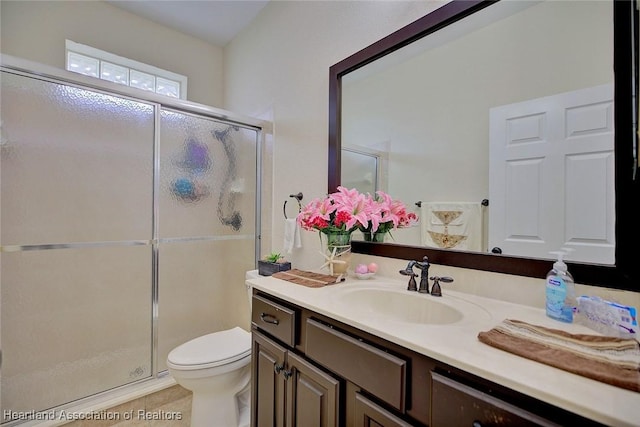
(269, 318)
(278, 368)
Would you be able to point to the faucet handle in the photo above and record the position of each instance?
(412, 286)
(436, 291)
(409, 272)
(412, 279)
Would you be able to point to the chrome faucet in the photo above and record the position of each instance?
(424, 275)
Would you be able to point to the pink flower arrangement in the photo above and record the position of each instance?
(348, 210)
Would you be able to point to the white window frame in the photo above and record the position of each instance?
(71, 46)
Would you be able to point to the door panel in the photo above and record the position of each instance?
(368, 414)
(267, 382)
(551, 182)
(76, 181)
(312, 395)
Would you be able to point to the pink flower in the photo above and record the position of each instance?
(388, 214)
(316, 214)
(376, 210)
(348, 210)
(354, 204)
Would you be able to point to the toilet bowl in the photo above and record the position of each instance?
(216, 368)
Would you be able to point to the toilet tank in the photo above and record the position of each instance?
(251, 274)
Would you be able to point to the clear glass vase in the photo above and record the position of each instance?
(337, 249)
(378, 237)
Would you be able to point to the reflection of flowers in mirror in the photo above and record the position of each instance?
(388, 215)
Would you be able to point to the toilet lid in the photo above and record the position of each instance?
(218, 348)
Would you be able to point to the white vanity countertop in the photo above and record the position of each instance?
(456, 344)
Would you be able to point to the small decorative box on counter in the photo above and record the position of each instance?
(272, 263)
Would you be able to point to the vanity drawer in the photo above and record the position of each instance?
(457, 404)
(380, 373)
(275, 319)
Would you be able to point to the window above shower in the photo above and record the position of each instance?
(97, 63)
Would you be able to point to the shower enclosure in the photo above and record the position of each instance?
(126, 226)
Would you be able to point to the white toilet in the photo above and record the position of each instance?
(216, 368)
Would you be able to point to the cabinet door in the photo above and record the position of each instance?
(312, 395)
(368, 414)
(268, 384)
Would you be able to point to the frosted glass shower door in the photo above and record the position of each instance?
(76, 187)
(207, 231)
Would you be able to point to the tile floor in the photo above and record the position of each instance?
(170, 407)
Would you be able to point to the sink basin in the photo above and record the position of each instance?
(400, 306)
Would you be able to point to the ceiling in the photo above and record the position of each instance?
(214, 21)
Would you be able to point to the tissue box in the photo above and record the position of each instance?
(607, 317)
(266, 268)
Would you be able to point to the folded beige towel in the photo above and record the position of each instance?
(307, 278)
(615, 361)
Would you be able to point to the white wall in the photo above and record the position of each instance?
(36, 30)
(280, 67)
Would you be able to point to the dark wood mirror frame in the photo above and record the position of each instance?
(625, 274)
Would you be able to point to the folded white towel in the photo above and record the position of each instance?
(291, 235)
(450, 225)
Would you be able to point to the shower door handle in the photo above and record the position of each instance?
(267, 318)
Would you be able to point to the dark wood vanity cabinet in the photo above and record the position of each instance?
(287, 390)
(310, 370)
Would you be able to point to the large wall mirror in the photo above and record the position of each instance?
(467, 106)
